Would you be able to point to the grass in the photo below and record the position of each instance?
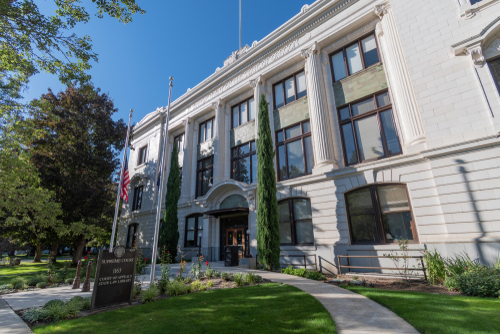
(435, 313)
(28, 267)
(6, 279)
(265, 308)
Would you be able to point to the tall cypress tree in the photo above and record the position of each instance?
(268, 230)
(169, 230)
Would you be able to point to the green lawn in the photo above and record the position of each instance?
(29, 267)
(6, 279)
(266, 308)
(435, 313)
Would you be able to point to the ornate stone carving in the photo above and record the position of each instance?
(254, 44)
(379, 30)
(257, 81)
(381, 10)
(306, 53)
(476, 53)
(304, 9)
(324, 58)
(217, 104)
(236, 55)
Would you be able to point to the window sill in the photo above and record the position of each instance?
(291, 103)
(412, 246)
(242, 125)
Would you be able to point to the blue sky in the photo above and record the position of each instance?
(184, 39)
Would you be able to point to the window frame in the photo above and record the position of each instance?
(353, 119)
(142, 156)
(247, 102)
(196, 229)
(134, 239)
(135, 207)
(293, 221)
(286, 141)
(382, 234)
(488, 61)
(362, 56)
(204, 124)
(282, 82)
(200, 170)
(242, 156)
(176, 140)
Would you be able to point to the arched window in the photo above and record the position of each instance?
(131, 235)
(295, 220)
(194, 227)
(380, 214)
(234, 201)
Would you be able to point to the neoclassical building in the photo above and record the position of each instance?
(385, 118)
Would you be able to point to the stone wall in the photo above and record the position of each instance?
(291, 113)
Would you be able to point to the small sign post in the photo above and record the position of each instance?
(114, 279)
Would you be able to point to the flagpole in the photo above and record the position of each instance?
(240, 24)
(158, 205)
(111, 244)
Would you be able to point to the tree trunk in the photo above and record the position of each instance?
(38, 252)
(54, 252)
(79, 246)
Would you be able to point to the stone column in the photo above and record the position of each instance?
(194, 160)
(218, 141)
(186, 182)
(398, 77)
(319, 114)
(227, 146)
(258, 88)
(166, 168)
(252, 223)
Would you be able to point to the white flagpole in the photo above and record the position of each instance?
(162, 175)
(111, 244)
(240, 24)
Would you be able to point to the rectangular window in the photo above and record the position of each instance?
(194, 227)
(137, 202)
(204, 176)
(142, 155)
(295, 220)
(179, 140)
(131, 236)
(368, 129)
(243, 112)
(289, 89)
(244, 163)
(354, 57)
(494, 66)
(206, 130)
(295, 155)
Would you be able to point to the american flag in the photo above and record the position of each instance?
(125, 182)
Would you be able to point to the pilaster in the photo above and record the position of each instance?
(219, 137)
(186, 167)
(258, 88)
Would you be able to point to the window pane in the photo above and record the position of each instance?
(283, 212)
(494, 66)
(255, 166)
(244, 170)
(370, 50)
(190, 236)
(350, 147)
(209, 129)
(391, 136)
(293, 132)
(397, 226)
(353, 59)
(369, 139)
(251, 110)
(202, 132)
(393, 198)
(191, 223)
(360, 202)
(282, 163)
(285, 233)
(344, 113)
(244, 149)
(289, 90)
(206, 179)
(200, 223)
(362, 216)
(236, 111)
(278, 96)
(309, 154)
(362, 107)
(253, 146)
(301, 209)
(234, 167)
(243, 113)
(338, 66)
(306, 127)
(304, 232)
(295, 159)
(364, 229)
(301, 84)
(383, 99)
(280, 136)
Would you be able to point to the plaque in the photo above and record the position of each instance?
(114, 278)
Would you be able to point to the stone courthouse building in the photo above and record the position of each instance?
(385, 118)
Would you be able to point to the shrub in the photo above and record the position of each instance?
(459, 264)
(238, 279)
(53, 302)
(60, 311)
(482, 281)
(176, 288)
(316, 275)
(216, 273)
(34, 280)
(209, 273)
(435, 266)
(35, 314)
(250, 278)
(41, 285)
(187, 280)
(288, 270)
(5, 287)
(137, 290)
(150, 295)
(225, 276)
(196, 285)
(18, 283)
(210, 284)
(258, 279)
(87, 302)
(301, 272)
(68, 281)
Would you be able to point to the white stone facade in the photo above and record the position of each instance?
(446, 110)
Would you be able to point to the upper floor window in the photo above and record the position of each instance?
(289, 89)
(137, 202)
(295, 220)
(206, 130)
(368, 129)
(295, 152)
(179, 141)
(142, 155)
(494, 66)
(194, 227)
(380, 214)
(243, 112)
(244, 163)
(350, 59)
(131, 236)
(204, 172)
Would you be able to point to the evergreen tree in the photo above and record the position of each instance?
(268, 230)
(169, 230)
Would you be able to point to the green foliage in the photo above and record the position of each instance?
(164, 280)
(289, 270)
(225, 276)
(34, 280)
(140, 265)
(41, 285)
(150, 295)
(57, 310)
(435, 266)
(479, 281)
(169, 229)
(238, 279)
(209, 273)
(53, 302)
(68, 280)
(197, 285)
(35, 314)
(5, 287)
(188, 279)
(210, 284)
(86, 303)
(251, 278)
(301, 272)
(459, 264)
(216, 273)
(177, 288)
(316, 275)
(268, 232)
(19, 283)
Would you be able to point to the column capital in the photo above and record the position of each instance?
(186, 121)
(306, 53)
(255, 82)
(476, 53)
(381, 10)
(217, 104)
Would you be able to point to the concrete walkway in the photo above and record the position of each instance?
(10, 323)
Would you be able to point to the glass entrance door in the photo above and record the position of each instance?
(232, 231)
(235, 237)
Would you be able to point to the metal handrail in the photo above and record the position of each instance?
(377, 256)
(304, 256)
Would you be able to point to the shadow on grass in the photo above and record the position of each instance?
(267, 308)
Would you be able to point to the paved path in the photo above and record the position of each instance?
(10, 323)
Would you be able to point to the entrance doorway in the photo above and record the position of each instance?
(233, 233)
(234, 237)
